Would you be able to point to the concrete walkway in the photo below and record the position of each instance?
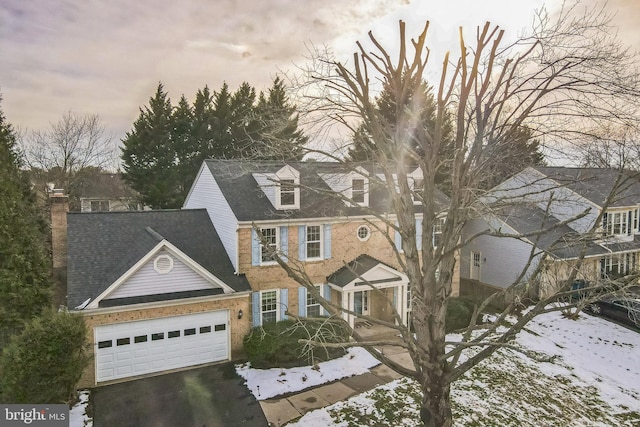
(282, 410)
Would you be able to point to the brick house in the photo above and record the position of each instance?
(156, 290)
(318, 215)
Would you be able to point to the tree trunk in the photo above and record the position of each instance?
(436, 402)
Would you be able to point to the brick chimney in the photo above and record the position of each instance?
(58, 207)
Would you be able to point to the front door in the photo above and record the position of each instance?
(361, 302)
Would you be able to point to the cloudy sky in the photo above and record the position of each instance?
(107, 57)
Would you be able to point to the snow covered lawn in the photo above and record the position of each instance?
(593, 380)
(268, 383)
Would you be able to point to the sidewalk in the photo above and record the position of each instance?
(281, 410)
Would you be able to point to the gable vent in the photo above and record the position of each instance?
(163, 264)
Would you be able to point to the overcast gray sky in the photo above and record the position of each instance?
(106, 57)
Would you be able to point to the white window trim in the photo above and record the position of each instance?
(623, 221)
(360, 174)
(309, 295)
(413, 177)
(288, 173)
(306, 242)
(277, 309)
(368, 233)
(270, 262)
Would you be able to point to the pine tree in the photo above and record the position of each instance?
(185, 145)
(222, 144)
(149, 155)
(280, 136)
(24, 267)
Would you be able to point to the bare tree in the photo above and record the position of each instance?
(565, 83)
(70, 146)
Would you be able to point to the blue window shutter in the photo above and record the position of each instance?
(326, 294)
(419, 234)
(398, 238)
(302, 243)
(302, 301)
(327, 241)
(284, 303)
(255, 248)
(284, 241)
(256, 320)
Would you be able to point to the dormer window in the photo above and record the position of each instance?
(287, 182)
(357, 191)
(416, 182)
(287, 192)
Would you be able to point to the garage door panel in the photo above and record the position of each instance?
(146, 346)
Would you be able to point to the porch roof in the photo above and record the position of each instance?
(355, 269)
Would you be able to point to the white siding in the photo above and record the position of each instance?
(502, 259)
(146, 281)
(206, 194)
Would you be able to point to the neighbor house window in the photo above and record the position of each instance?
(617, 223)
(358, 191)
(619, 265)
(287, 192)
(269, 244)
(269, 306)
(313, 306)
(437, 231)
(99, 206)
(314, 241)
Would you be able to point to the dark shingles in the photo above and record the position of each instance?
(547, 232)
(595, 184)
(104, 245)
(249, 202)
(354, 269)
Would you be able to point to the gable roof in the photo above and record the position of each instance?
(595, 184)
(355, 269)
(102, 246)
(317, 200)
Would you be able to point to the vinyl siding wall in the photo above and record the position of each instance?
(147, 281)
(502, 259)
(206, 194)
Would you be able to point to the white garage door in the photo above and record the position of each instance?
(140, 347)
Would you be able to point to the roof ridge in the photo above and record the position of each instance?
(155, 234)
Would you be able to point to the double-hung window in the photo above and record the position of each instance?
(313, 306)
(269, 306)
(287, 192)
(99, 206)
(437, 231)
(314, 242)
(269, 244)
(358, 191)
(617, 223)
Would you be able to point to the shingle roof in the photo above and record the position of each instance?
(595, 184)
(354, 269)
(547, 232)
(104, 245)
(249, 203)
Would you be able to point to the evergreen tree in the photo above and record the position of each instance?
(24, 265)
(222, 144)
(279, 135)
(185, 145)
(244, 124)
(149, 154)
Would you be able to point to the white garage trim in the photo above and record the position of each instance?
(155, 345)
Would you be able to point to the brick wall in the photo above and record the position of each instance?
(238, 328)
(59, 208)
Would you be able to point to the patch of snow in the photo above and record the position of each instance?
(78, 414)
(268, 383)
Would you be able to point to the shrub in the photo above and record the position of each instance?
(459, 312)
(44, 362)
(275, 345)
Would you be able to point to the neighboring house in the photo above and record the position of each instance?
(157, 292)
(565, 204)
(106, 192)
(319, 216)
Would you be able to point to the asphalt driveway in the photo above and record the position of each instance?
(212, 396)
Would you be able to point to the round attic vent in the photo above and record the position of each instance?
(163, 264)
(363, 232)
